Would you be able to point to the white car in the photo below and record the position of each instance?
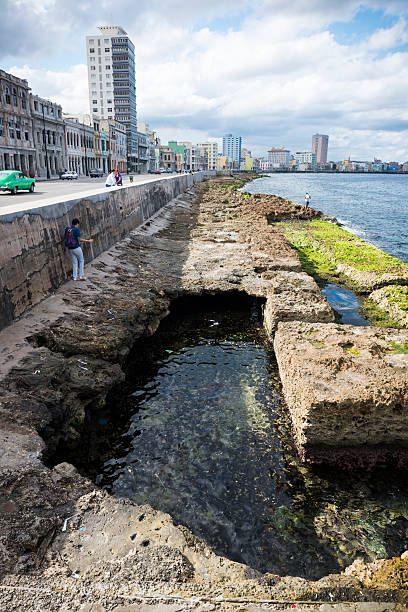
(69, 175)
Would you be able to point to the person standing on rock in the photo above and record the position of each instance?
(72, 239)
(307, 200)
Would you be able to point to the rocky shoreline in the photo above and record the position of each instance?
(88, 550)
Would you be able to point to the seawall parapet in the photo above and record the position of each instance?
(33, 260)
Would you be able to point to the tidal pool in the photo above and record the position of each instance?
(346, 304)
(202, 433)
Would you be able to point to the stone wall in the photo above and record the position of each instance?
(33, 259)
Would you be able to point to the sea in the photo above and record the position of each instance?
(372, 206)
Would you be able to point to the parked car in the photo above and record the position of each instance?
(69, 175)
(156, 172)
(96, 172)
(14, 180)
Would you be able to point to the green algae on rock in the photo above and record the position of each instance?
(333, 249)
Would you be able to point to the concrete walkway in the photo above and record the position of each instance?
(54, 192)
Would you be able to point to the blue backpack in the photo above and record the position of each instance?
(70, 240)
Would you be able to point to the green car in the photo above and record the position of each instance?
(14, 180)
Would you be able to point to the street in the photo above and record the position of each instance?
(58, 188)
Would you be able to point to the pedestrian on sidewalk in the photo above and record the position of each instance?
(307, 200)
(111, 179)
(72, 239)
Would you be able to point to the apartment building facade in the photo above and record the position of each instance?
(17, 147)
(49, 137)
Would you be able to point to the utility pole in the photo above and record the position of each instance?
(86, 159)
(45, 144)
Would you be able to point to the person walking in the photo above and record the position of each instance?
(307, 200)
(111, 179)
(72, 240)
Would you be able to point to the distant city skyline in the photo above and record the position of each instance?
(271, 71)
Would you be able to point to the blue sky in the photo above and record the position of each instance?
(272, 71)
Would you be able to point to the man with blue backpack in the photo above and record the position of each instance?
(72, 239)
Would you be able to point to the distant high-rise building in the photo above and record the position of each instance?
(231, 148)
(320, 144)
(112, 82)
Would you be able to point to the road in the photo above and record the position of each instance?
(57, 188)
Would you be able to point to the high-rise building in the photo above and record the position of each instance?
(320, 144)
(112, 83)
(231, 148)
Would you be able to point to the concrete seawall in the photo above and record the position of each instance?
(33, 260)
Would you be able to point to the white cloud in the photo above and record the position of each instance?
(70, 89)
(275, 77)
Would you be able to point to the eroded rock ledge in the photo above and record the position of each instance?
(89, 551)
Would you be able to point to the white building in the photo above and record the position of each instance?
(305, 160)
(279, 158)
(320, 144)
(211, 154)
(112, 83)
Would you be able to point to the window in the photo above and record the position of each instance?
(93, 67)
(94, 101)
(23, 100)
(106, 41)
(91, 50)
(18, 130)
(107, 67)
(95, 110)
(36, 105)
(1, 127)
(94, 93)
(91, 59)
(109, 110)
(11, 129)
(14, 96)
(93, 77)
(7, 95)
(107, 50)
(109, 101)
(26, 135)
(91, 41)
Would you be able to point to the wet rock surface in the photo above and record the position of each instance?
(64, 545)
(347, 391)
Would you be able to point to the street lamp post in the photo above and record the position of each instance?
(86, 159)
(45, 144)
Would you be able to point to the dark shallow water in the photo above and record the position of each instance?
(373, 206)
(202, 434)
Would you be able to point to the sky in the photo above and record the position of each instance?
(272, 71)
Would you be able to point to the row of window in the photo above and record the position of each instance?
(47, 110)
(106, 41)
(13, 128)
(107, 50)
(10, 95)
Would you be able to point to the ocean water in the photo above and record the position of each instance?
(373, 207)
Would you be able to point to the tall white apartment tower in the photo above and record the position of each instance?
(112, 82)
(320, 144)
